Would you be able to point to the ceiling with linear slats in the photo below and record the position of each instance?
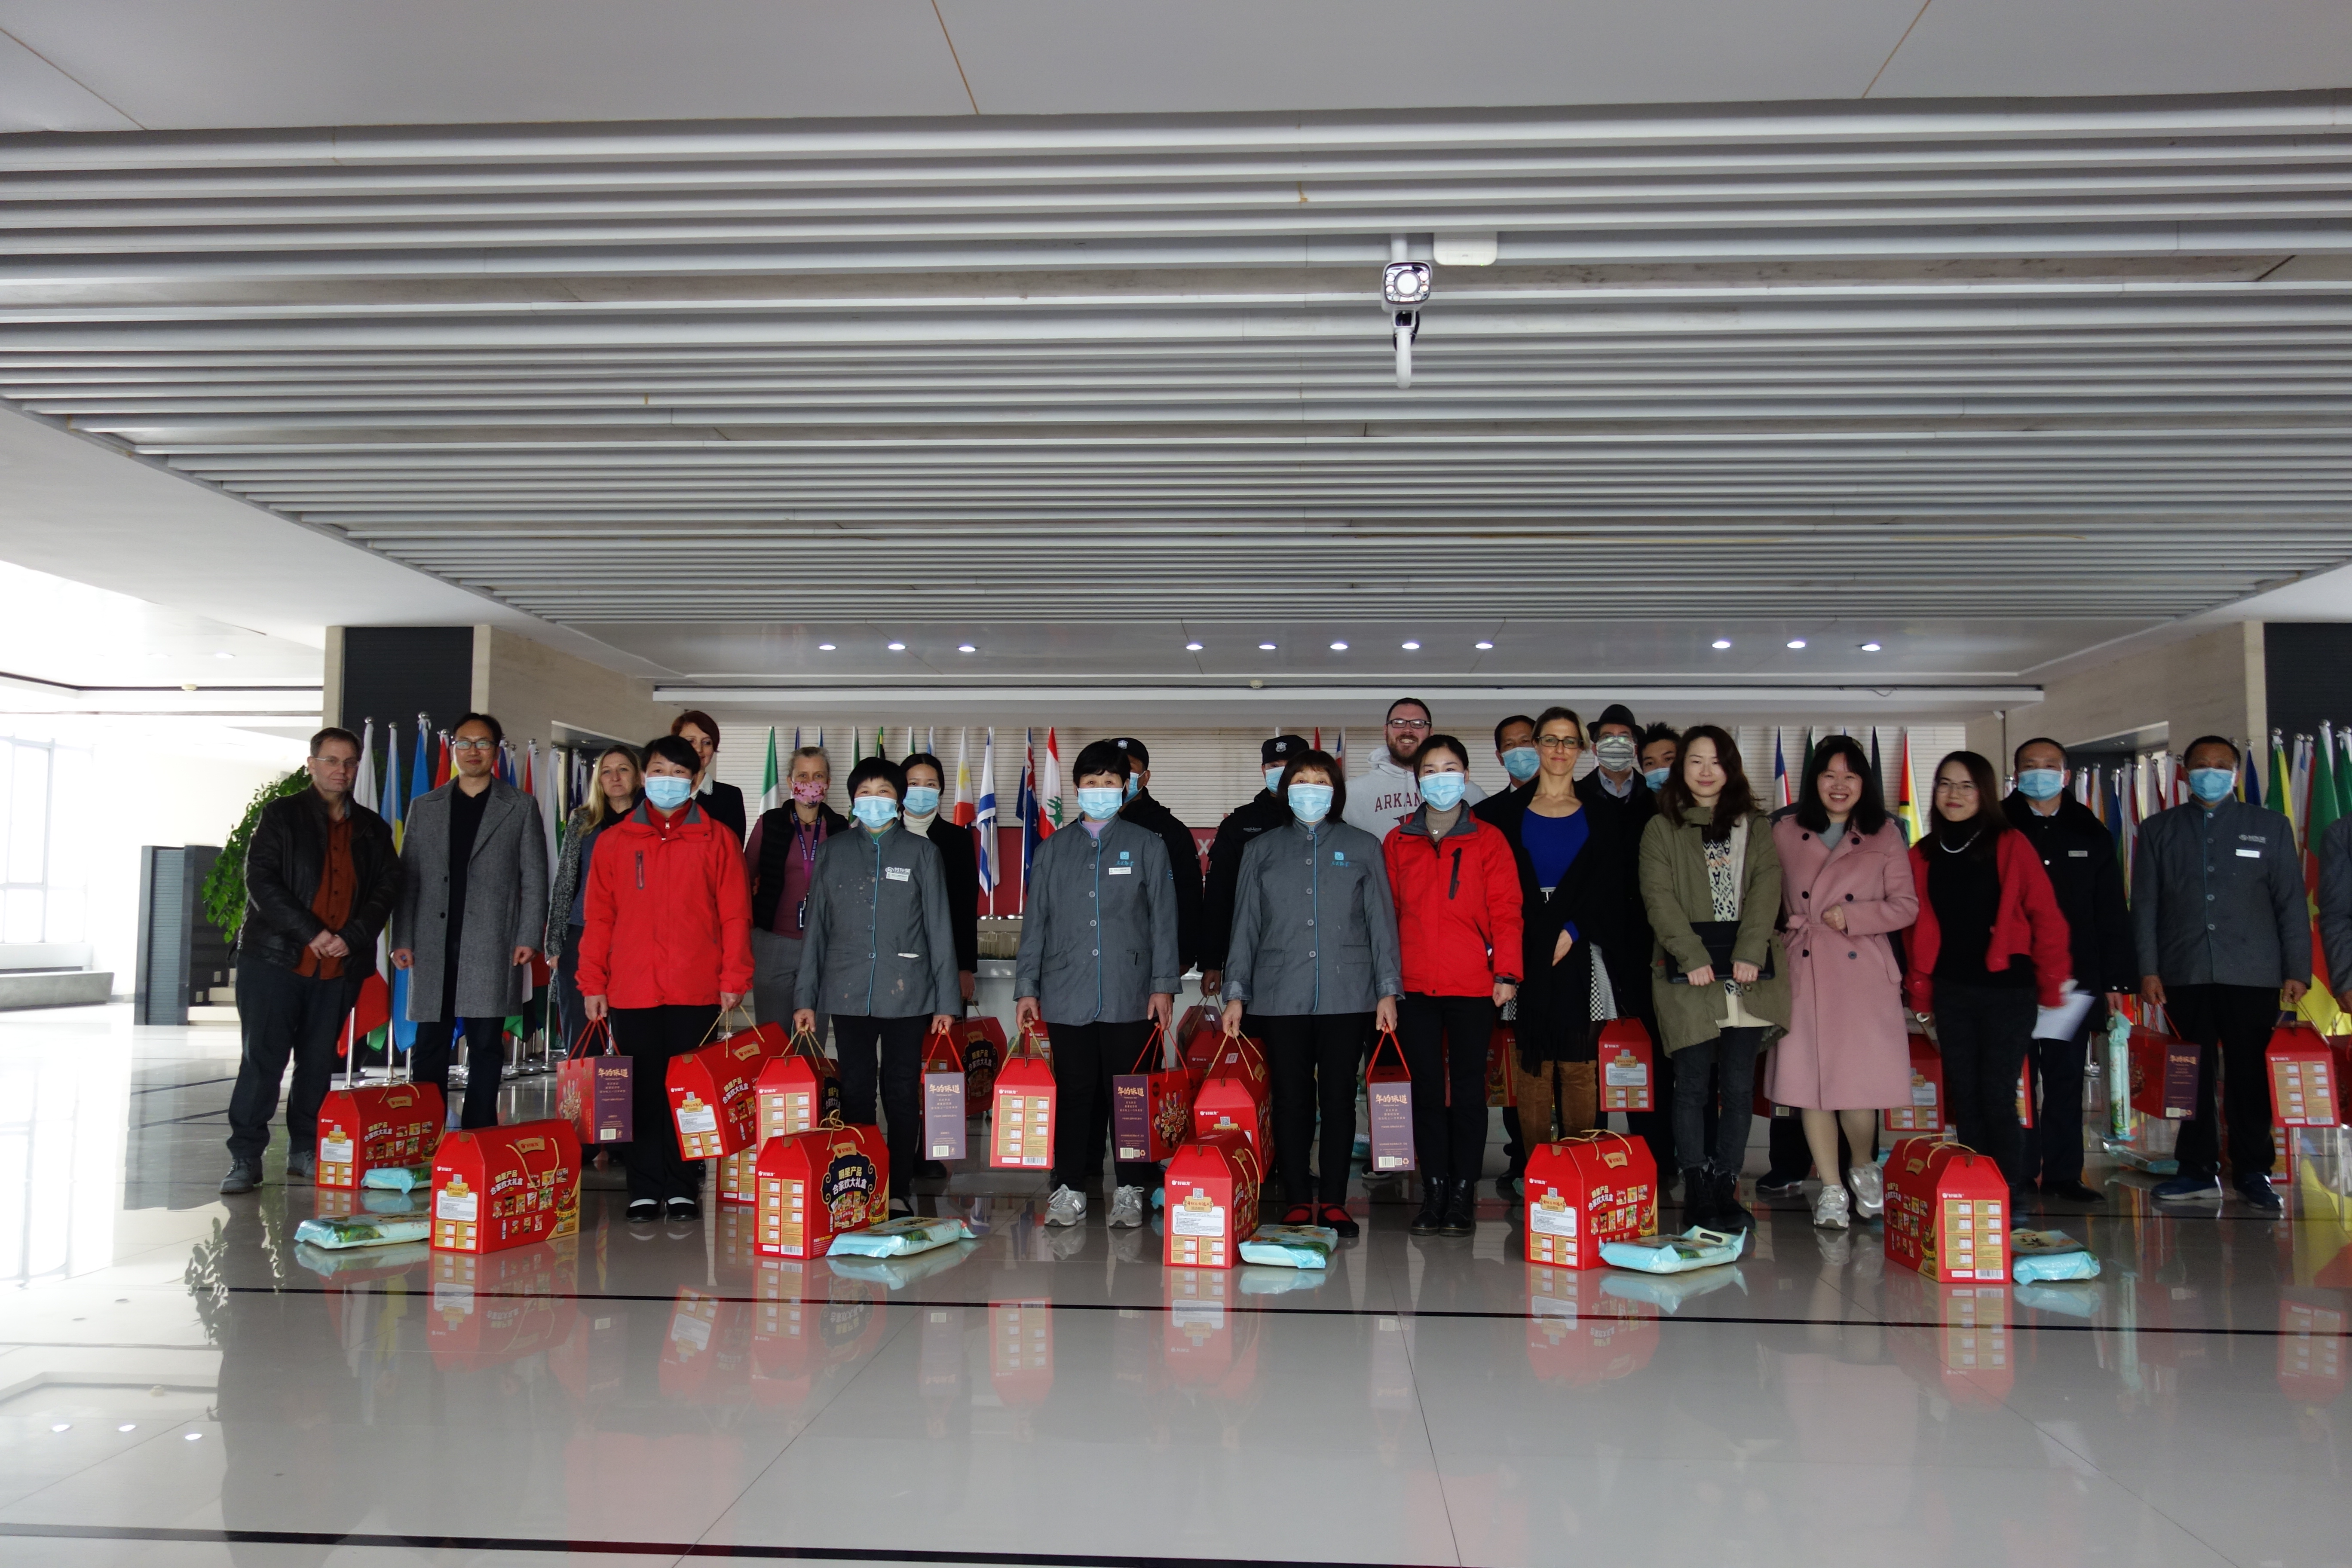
(1982, 383)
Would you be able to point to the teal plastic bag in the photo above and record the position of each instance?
(2048, 1255)
(362, 1230)
(900, 1238)
(1292, 1245)
(1696, 1248)
(399, 1178)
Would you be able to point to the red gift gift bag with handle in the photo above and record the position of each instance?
(1388, 1091)
(1150, 1105)
(592, 1088)
(943, 1090)
(1235, 1095)
(1020, 1109)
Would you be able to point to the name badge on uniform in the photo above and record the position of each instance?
(1122, 870)
(897, 873)
(2250, 854)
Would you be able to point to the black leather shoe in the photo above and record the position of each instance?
(684, 1208)
(301, 1165)
(1461, 1208)
(1341, 1220)
(1699, 1197)
(1432, 1207)
(243, 1177)
(643, 1211)
(1730, 1213)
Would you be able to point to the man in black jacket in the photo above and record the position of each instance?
(2080, 856)
(320, 878)
(1262, 811)
(959, 856)
(1183, 849)
(1621, 805)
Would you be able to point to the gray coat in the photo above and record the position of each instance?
(1314, 929)
(2217, 897)
(505, 902)
(1098, 930)
(880, 941)
(2336, 905)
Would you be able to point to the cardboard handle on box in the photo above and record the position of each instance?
(1153, 1040)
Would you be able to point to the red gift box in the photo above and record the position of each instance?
(1926, 1111)
(2304, 1090)
(2163, 1075)
(498, 1187)
(1947, 1213)
(361, 1129)
(1387, 1096)
(1021, 1109)
(1199, 1033)
(592, 1088)
(1578, 1333)
(1150, 1105)
(1212, 1201)
(1583, 1191)
(1236, 1095)
(797, 1090)
(944, 1082)
(1627, 1066)
(710, 1096)
(816, 1184)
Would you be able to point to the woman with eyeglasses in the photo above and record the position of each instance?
(1572, 901)
(618, 778)
(1990, 947)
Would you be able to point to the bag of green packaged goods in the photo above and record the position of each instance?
(362, 1230)
(2046, 1255)
(1292, 1245)
(900, 1238)
(1696, 1248)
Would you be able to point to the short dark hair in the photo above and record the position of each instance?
(1330, 765)
(1514, 719)
(670, 749)
(1441, 742)
(2036, 740)
(333, 733)
(2190, 750)
(882, 768)
(1401, 702)
(1990, 822)
(919, 759)
(700, 720)
(1869, 813)
(497, 730)
(1657, 732)
(1736, 801)
(1101, 757)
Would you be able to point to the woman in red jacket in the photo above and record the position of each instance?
(1456, 885)
(1990, 947)
(667, 945)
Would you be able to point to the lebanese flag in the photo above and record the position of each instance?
(1049, 787)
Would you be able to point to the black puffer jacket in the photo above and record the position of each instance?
(282, 867)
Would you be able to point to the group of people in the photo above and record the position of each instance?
(1653, 886)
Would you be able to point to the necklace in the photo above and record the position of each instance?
(1957, 848)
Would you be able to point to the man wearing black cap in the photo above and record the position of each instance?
(1183, 853)
(1264, 810)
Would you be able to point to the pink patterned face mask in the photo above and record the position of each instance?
(808, 791)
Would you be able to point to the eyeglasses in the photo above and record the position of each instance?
(473, 745)
(1408, 724)
(1957, 786)
(1559, 743)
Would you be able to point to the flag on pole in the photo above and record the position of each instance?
(771, 791)
(441, 761)
(984, 820)
(1877, 768)
(1339, 749)
(1049, 787)
(1024, 810)
(1906, 805)
(363, 790)
(1316, 742)
(551, 809)
(2250, 780)
(962, 817)
(422, 770)
(1779, 770)
(392, 804)
(882, 746)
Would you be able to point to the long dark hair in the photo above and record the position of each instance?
(1332, 768)
(1736, 801)
(1985, 828)
(1869, 813)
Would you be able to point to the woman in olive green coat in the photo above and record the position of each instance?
(1711, 882)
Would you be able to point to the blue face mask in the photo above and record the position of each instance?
(1134, 786)
(1656, 777)
(1443, 790)
(1310, 802)
(2209, 784)
(875, 811)
(668, 791)
(2040, 784)
(1101, 805)
(1274, 778)
(921, 800)
(1522, 763)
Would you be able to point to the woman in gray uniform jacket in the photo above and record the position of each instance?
(880, 955)
(1098, 964)
(1315, 962)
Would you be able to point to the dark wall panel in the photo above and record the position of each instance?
(2307, 668)
(392, 674)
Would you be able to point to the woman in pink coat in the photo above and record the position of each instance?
(1845, 883)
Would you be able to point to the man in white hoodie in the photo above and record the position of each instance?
(1385, 794)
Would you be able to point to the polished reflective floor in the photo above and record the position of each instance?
(181, 1383)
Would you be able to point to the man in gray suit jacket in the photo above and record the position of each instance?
(473, 893)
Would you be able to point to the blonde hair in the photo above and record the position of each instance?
(600, 806)
(816, 752)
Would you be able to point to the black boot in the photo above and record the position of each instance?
(1729, 1216)
(1460, 1206)
(1433, 1190)
(1698, 1197)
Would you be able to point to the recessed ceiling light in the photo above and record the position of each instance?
(1482, 647)
(1722, 642)
(224, 655)
(128, 1426)
(824, 647)
(1413, 647)
(1796, 642)
(194, 1436)
(1266, 648)
(1870, 647)
(966, 647)
(897, 648)
(1191, 647)
(62, 1427)
(1338, 648)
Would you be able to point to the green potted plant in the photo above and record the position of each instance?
(224, 889)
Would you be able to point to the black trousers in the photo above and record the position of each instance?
(2230, 1026)
(282, 1015)
(486, 1055)
(572, 1013)
(858, 1039)
(649, 1036)
(1981, 1032)
(1086, 1056)
(2054, 1149)
(1726, 1064)
(1312, 1059)
(1445, 1040)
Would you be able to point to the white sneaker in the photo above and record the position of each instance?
(1830, 1208)
(1127, 1207)
(1869, 1190)
(1066, 1207)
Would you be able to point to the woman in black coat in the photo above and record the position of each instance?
(719, 802)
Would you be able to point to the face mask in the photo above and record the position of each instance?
(809, 792)
(875, 811)
(1617, 753)
(1273, 779)
(1656, 777)
(2040, 784)
(2209, 784)
(1443, 790)
(1101, 805)
(1134, 786)
(921, 800)
(1310, 802)
(1522, 763)
(668, 791)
